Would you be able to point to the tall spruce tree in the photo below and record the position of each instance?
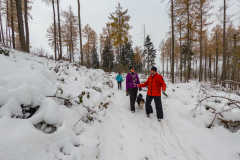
(108, 57)
(127, 56)
(94, 58)
(149, 53)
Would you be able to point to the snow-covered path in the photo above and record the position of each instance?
(133, 136)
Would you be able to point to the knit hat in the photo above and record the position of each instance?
(131, 67)
(154, 69)
(119, 72)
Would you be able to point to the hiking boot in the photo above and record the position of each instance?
(133, 111)
(159, 119)
(148, 115)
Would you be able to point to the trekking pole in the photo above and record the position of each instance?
(165, 94)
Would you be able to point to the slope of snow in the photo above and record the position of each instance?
(102, 127)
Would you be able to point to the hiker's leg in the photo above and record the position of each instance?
(158, 104)
(135, 94)
(132, 100)
(148, 105)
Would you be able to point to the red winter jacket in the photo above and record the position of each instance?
(154, 83)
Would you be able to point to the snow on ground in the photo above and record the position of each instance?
(35, 124)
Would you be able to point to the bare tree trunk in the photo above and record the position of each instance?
(7, 25)
(20, 24)
(188, 41)
(26, 24)
(163, 64)
(59, 30)
(235, 61)
(200, 66)
(167, 65)
(210, 66)
(71, 41)
(181, 51)
(12, 24)
(224, 51)
(205, 69)
(172, 69)
(55, 31)
(1, 34)
(80, 31)
(88, 61)
(216, 76)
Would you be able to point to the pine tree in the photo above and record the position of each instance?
(127, 56)
(108, 57)
(94, 58)
(149, 53)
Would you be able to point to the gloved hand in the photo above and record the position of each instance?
(127, 93)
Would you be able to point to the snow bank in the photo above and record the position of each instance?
(41, 116)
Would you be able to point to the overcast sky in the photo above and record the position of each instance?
(152, 13)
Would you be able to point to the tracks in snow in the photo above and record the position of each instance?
(143, 138)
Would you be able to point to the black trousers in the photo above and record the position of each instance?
(158, 104)
(133, 96)
(119, 85)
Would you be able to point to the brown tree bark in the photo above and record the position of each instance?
(188, 42)
(216, 76)
(224, 49)
(20, 24)
(172, 69)
(26, 24)
(12, 24)
(201, 29)
(80, 31)
(59, 30)
(55, 31)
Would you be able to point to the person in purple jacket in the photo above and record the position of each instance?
(132, 81)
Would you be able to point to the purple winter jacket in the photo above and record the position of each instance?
(129, 80)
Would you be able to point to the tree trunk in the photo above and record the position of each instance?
(205, 69)
(20, 25)
(55, 31)
(1, 34)
(26, 24)
(188, 42)
(59, 30)
(12, 24)
(224, 51)
(200, 66)
(172, 70)
(210, 66)
(181, 51)
(235, 61)
(216, 76)
(167, 65)
(163, 64)
(71, 41)
(88, 61)
(7, 25)
(80, 30)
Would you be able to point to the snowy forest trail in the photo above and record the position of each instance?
(133, 136)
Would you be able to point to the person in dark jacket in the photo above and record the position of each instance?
(119, 80)
(132, 81)
(155, 84)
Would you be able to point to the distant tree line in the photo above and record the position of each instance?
(192, 51)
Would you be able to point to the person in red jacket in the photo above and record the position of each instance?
(155, 84)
